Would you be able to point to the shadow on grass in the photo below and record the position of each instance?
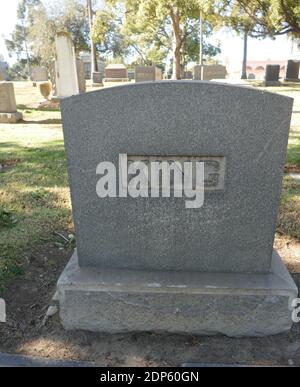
(293, 155)
(39, 214)
(288, 220)
(49, 121)
(43, 166)
(43, 109)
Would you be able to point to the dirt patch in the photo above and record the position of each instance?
(28, 298)
(292, 168)
(289, 250)
(5, 165)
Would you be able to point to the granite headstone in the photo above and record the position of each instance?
(147, 74)
(66, 78)
(209, 72)
(272, 75)
(39, 74)
(150, 264)
(292, 70)
(8, 107)
(116, 73)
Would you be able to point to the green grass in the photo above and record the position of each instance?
(288, 221)
(293, 155)
(34, 195)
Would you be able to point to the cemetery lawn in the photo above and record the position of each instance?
(36, 242)
(35, 203)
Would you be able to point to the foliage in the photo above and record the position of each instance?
(268, 17)
(151, 29)
(107, 34)
(18, 71)
(38, 24)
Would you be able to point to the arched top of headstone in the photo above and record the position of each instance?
(240, 132)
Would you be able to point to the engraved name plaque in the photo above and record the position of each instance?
(214, 167)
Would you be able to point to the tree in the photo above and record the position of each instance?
(94, 64)
(18, 42)
(161, 24)
(107, 34)
(38, 22)
(236, 18)
(271, 17)
(193, 49)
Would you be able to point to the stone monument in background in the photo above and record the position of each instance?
(65, 70)
(39, 74)
(8, 106)
(81, 75)
(292, 71)
(272, 75)
(209, 72)
(147, 74)
(116, 73)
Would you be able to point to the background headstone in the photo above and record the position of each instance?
(150, 263)
(209, 72)
(97, 78)
(66, 80)
(52, 77)
(292, 71)
(81, 75)
(131, 75)
(188, 75)
(272, 75)
(116, 73)
(39, 74)
(3, 71)
(8, 107)
(147, 73)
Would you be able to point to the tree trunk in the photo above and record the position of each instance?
(26, 51)
(244, 69)
(177, 43)
(201, 40)
(94, 64)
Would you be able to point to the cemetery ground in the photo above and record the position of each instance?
(36, 241)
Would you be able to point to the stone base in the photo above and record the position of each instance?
(176, 302)
(292, 79)
(272, 83)
(116, 80)
(97, 84)
(10, 118)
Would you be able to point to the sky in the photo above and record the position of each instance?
(231, 45)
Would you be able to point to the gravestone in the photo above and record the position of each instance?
(3, 71)
(66, 79)
(209, 72)
(39, 74)
(147, 73)
(80, 75)
(188, 74)
(52, 77)
(97, 78)
(272, 75)
(131, 75)
(8, 107)
(292, 71)
(151, 264)
(116, 73)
